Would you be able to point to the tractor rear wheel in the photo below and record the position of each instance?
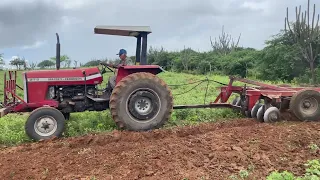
(45, 123)
(305, 105)
(141, 102)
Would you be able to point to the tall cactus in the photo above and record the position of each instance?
(306, 36)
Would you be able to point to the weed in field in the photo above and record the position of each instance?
(313, 168)
(312, 173)
(285, 175)
(313, 147)
(233, 177)
(243, 174)
(93, 178)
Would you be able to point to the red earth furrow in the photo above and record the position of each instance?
(205, 151)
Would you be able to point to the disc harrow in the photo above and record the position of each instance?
(265, 102)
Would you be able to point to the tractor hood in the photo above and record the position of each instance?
(65, 76)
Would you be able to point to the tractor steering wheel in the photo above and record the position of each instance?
(105, 65)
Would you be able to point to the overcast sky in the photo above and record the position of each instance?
(28, 27)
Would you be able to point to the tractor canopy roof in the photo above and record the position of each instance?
(122, 30)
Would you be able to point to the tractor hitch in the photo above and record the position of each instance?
(211, 105)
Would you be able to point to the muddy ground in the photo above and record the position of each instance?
(206, 151)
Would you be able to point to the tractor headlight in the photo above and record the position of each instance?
(51, 92)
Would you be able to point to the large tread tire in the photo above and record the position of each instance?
(127, 116)
(52, 115)
(299, 101)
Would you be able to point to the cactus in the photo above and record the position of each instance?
(306, 36)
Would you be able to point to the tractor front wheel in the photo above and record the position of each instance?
(45, 123)
(140, 102)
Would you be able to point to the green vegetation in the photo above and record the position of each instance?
(312, 173)
(242, 174)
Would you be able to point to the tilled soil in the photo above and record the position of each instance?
(206, 151)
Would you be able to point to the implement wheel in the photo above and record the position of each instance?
(255, 109)
(272, 114)
(45, 123)
(140, 102)
(236, 101)
(305, 105)
(260, 113)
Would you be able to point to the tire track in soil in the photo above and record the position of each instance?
(208, 151)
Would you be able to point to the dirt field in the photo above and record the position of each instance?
(207, 151)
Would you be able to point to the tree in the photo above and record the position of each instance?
(159, 57)
(67, 63)
(237, 62)
(306, 36)
(32, 65)
(18, 62)
(280, 62)
(75, 63)
(223, 46)
(25, 65)
(1, 61)
(186, 57)
(94, 62)
(46, 64)
(63, 59)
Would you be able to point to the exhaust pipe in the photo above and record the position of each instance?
(58, 52)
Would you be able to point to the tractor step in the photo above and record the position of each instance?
(97, 99)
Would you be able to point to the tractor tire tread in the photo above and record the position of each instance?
(294, 103)
(123, 84)
(36, 137)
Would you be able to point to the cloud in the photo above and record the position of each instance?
(27, 24)
(35, 45)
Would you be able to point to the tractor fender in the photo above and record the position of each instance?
(124, 71)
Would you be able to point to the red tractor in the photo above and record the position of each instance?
(138, 100)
